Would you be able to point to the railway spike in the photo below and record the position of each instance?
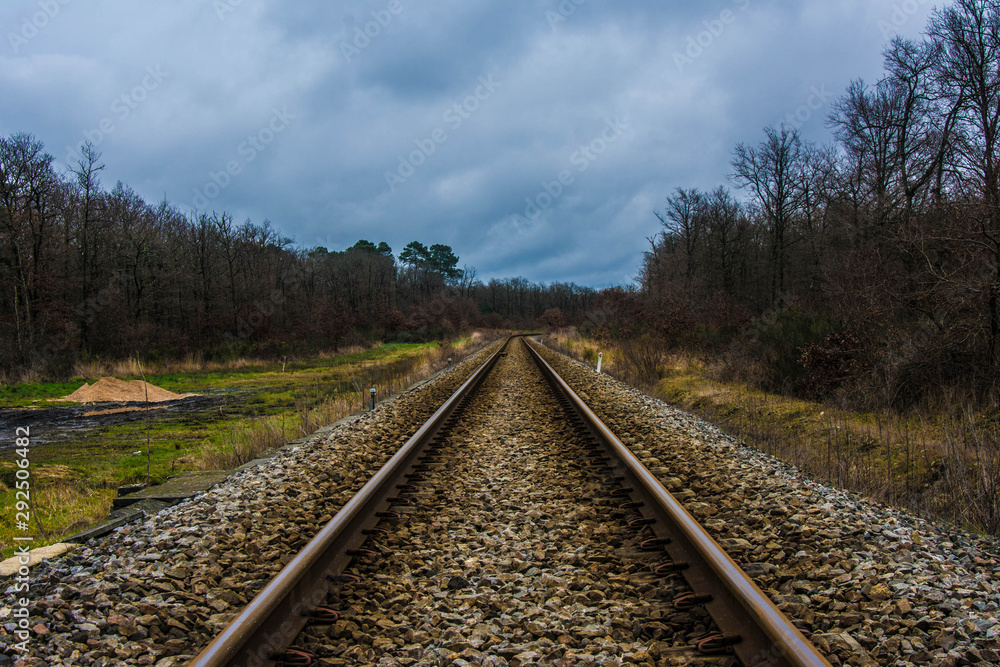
(653, 544)
(670, 567)
(689, 601)
(642, 521)
(362, 552)
(718, 644)
(322, 616)
(294, 657)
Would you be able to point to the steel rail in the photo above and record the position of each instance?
(760, 634)
(278, 613)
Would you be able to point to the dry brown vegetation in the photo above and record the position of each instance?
(944, 465)
(844, 312)
(258, 436)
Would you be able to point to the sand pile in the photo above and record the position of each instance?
(113, 390)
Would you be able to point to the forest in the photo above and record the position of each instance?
(87, 272)
(865, 272)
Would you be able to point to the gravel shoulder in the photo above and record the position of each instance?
(512, 552)
(155, 593)
(874, 584)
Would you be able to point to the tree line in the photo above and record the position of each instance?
(90, 272)
(867, 269)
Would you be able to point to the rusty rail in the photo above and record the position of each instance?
(273, 619)
(759, 634)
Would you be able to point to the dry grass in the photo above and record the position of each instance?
(244, 443)
(26, 376)
(71, 506)
(255, 438)
(60, 506)
(350, 349)
(328, 412)
(96, 368)
(192, 363)
(944, 465)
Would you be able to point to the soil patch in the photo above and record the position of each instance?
(76, 422)
(113, 390)
(115, 411)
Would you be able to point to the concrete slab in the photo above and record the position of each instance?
(103, 529)
(11, 566)
(122, 516)
(177, 488)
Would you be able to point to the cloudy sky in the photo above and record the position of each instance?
(533, 136)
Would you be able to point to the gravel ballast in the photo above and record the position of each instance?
(875, 585)
(155, 593)
(512, 552)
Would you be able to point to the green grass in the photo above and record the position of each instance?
(75, 480)
(28, 394)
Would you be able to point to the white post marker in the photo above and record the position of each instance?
(372, 391)
(600, 359)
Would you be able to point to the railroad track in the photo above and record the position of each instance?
(512, 528)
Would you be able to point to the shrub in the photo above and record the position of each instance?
(830, 364)
(640, 360)
(773, 349)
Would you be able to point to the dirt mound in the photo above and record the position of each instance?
(113, 390)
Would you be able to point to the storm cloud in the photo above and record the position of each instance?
(534, 137)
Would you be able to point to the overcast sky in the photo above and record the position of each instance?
(533, 136)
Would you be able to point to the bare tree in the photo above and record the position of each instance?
(27, 185)
(967, 72)
(772, 171)
(866, 121)
(467, 280)
(88, 186)
(725, 231)
(925, 121)
(681, 220)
